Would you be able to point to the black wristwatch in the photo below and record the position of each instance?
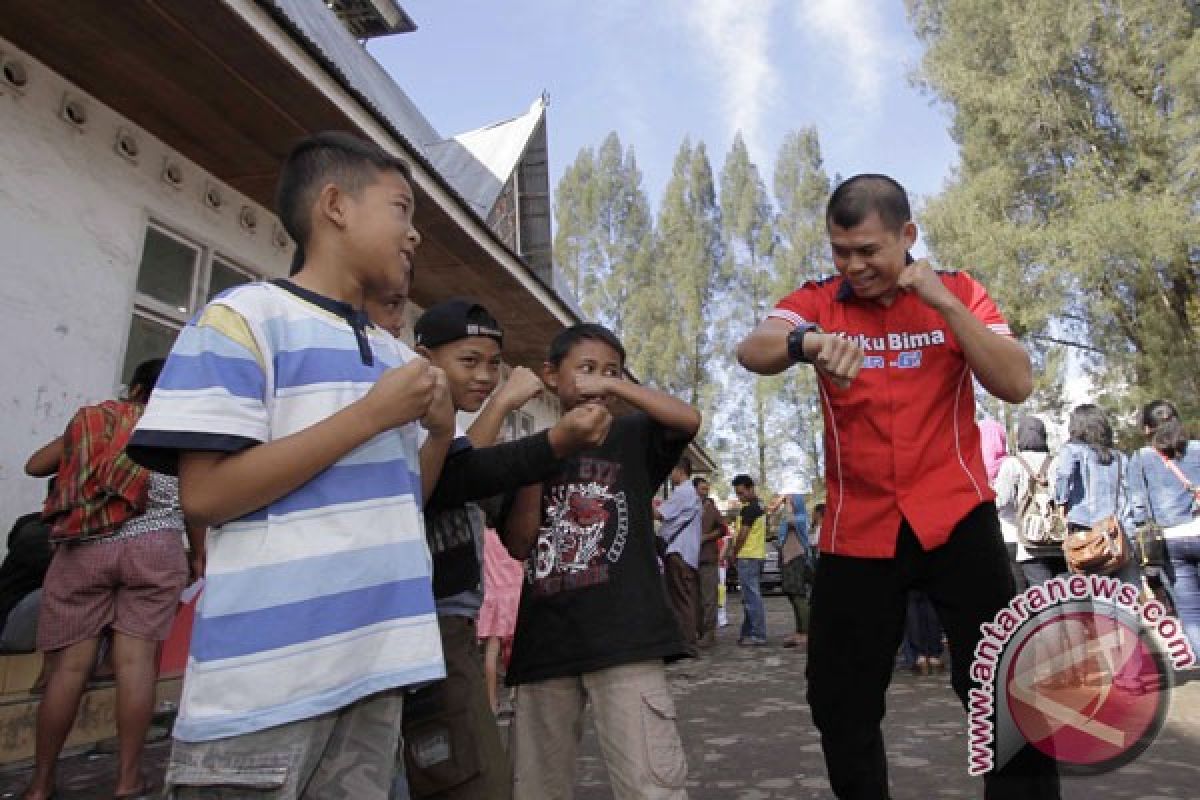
(795, 342)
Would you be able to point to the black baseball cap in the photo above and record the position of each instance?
(453, 320)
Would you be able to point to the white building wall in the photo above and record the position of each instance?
(73, 214)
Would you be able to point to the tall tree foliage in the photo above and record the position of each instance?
(801, 189)
(670, 332)
(749, 236)
(603, 229)
(1077, 197)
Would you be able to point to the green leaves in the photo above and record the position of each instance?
(1077, 198)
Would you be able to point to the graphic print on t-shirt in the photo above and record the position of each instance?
(584, 529)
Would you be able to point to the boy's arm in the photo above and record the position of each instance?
(439, 423)
(520, 529)
(521, 387)
(45, 461)
(215, 487)
(674, 415)
(475, 473)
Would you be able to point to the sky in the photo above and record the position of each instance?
(656, 71)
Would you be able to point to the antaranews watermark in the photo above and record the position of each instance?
(1079, 667)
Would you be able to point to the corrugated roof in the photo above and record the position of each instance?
(479, 162)
(356, 68)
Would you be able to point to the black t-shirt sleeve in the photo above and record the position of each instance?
(663, 446)
(749, 513)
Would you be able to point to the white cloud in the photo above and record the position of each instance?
(735, 37)
(851, 33)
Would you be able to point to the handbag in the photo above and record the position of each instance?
(1149, 543)
(1101, 549)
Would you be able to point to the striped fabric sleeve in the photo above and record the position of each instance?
(797, 308)
(210, 396)
(979, 302)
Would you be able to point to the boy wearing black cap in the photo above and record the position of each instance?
(452, 744)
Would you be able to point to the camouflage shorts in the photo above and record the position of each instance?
(342, 754)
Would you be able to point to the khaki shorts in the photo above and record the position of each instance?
(349, 753)
(635, 724)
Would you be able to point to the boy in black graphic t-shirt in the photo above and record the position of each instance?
(594, 623)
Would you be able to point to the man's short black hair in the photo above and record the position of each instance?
(328, 157)
(743, 480)
(567, 338)
(855, 198)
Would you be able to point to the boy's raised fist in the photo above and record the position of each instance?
(580, 428)
(402, 394)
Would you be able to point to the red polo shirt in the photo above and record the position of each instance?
(901, 440)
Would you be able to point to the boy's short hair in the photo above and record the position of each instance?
(327, 157)
(567, 338)
(684, 464)
(855, 198)
(743, 480)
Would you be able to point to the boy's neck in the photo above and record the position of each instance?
(325, 278)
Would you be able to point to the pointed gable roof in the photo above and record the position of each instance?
(479, 163)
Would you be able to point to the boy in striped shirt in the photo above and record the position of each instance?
(306, 439)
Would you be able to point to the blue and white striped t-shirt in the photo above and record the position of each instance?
(324, 596)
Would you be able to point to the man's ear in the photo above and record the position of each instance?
(550, 375)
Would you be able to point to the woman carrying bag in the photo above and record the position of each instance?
(1092, 485)
(1166, 486)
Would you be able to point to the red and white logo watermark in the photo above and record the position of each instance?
(1078, 667)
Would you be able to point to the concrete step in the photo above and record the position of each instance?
(95, 722)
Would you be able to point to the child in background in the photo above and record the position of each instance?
(502, 579)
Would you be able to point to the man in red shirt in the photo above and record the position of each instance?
(895, 345)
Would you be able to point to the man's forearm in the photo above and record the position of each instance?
(998, 361)
(764, 351)
(739, 541)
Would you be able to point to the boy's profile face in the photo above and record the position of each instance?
(379, 232)
(387, 309)
(587, 357)
(472, 367)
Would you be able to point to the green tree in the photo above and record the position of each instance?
(748, 232)
(668, 329)
(603, 230)
(1076, 199)
(801, 188)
